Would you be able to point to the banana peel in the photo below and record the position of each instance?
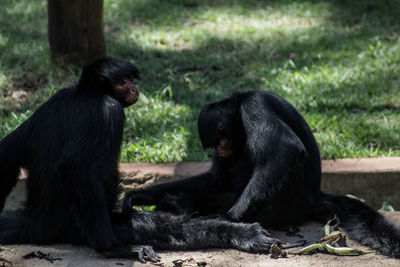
(345, 251)
(334, 242)
(324, 247)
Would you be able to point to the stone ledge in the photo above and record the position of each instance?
(373, 179)
(363, 165)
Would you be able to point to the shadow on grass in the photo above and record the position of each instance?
(381, 13)
(222, 66)
(24, 34)
(219, 66)
(349, 12)
(218, 60)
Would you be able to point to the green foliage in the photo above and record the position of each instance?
(144, 208)
(386, 207)
(336, 61)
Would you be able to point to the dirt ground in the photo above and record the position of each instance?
(85, 257)
(146, 174)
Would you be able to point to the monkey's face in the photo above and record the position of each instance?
(216, 130)
(223, 147)
(126, 92)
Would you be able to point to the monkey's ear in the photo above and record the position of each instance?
(102, 80)
(135, 74)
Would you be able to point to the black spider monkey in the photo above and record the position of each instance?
(266, 168)
(71, 147)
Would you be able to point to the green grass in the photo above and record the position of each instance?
(337, 61)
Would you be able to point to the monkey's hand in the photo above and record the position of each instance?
(254, 238)
(239, 209)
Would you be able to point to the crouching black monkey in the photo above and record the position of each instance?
(71, 147)
(266, 168)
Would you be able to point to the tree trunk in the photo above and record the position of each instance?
(75, 29)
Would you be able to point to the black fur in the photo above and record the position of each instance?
(71, 147)
(272, 177)
(360, 222)
(166, 231)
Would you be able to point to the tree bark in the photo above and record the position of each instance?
(75, 29)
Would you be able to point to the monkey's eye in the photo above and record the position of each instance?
(220, 126)
(127, 80)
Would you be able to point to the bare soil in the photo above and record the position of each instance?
(142, 175)
(86, 257)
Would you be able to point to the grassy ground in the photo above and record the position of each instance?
(336, 61)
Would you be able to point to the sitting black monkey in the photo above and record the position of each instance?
(266, 168)
(71, 147)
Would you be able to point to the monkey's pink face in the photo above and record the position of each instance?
(224, 148)
(127, 93)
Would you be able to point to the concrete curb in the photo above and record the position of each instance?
(373, 179)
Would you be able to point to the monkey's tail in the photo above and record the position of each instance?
(361, 223)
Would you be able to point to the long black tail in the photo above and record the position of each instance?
(361, 223)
